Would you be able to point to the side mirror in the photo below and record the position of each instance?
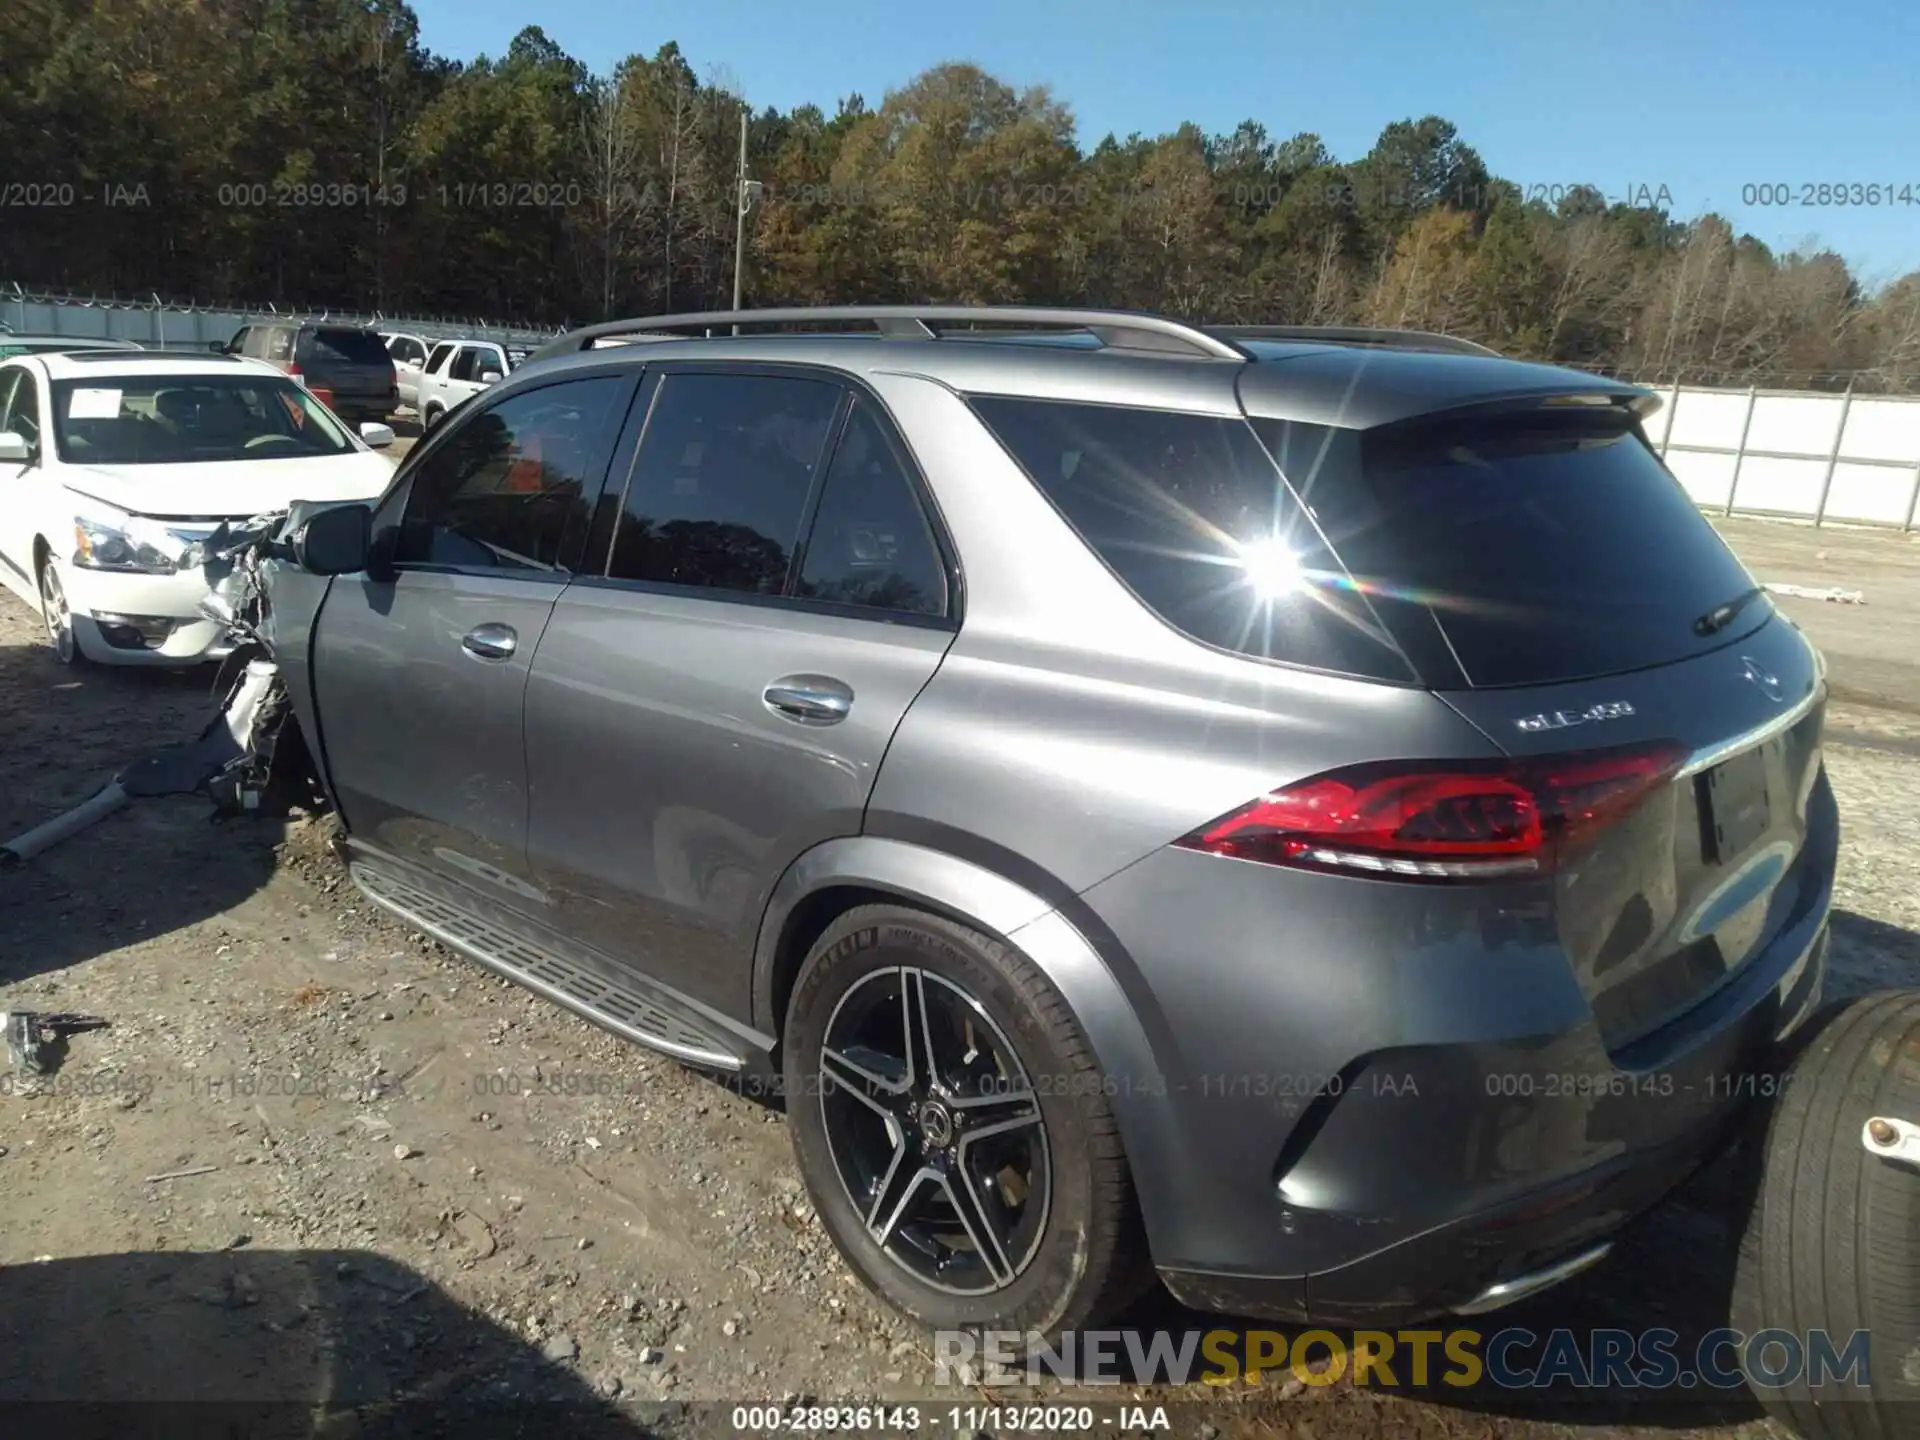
(334, 541)
(487, 377)
(377, 435)
(14, 449)
(220, 347)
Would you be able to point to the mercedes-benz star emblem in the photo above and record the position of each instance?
(936, 1124)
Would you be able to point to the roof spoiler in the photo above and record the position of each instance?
(1385, 339)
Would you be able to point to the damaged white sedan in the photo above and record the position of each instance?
(113, 465)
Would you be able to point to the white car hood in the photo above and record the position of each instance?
(232, 489)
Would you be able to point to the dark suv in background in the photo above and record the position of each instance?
(349, 367)
(1319, 810)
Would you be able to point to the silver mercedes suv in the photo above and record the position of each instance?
(1313, 814)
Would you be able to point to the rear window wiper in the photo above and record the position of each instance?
(1721, 616)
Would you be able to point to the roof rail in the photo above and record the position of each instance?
(1115, 329)
(1354, 335)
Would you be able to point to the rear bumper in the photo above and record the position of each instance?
(1381, 1105)
(1477, 1264)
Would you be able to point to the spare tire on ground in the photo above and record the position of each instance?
(1832, 1244)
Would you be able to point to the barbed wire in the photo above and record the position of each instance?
(12, 292)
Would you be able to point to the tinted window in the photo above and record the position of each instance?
(1191, 514)
(348, 347)
(510, 488)
(439, 353)
(721, 482)
(466, 365)
(1548, 546)
(870, 544)
(405, 350)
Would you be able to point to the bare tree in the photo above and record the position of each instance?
(611, 144)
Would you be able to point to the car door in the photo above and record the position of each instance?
(408, 357)
(718, 698)
(463, 376)
(432, 383)
(420, 677)
(19, 483)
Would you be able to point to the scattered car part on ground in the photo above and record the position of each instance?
(986, 747)
(1829, 1248)
(36, 1040)
(239, 756)
(95, 808)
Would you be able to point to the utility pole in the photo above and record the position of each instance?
(745, 193)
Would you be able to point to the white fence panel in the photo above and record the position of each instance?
(1849, 458)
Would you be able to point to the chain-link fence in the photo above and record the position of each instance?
(175, 325)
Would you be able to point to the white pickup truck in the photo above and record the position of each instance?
(456, 371)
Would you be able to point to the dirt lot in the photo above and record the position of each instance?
(396, 1179)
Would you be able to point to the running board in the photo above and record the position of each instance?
(624, 1007)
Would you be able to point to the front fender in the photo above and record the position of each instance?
(1134, 1079)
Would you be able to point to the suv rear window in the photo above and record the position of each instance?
(1549, 546)
(351, 347)
(1190, 513)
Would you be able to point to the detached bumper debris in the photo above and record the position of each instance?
(1817, 592)
(232, 761)
(36, 1041)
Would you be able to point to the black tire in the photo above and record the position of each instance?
(430, 417)
(1087, 1257)
(1833, 1240)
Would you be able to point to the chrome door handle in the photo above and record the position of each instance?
(809, 699)
(490, 642)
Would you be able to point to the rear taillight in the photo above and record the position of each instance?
(1442, 821)
(293, 369)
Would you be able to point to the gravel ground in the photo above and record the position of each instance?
(394, 1177)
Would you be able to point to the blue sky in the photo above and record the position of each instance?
(1703, 97)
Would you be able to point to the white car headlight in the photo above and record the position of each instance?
(100, 546)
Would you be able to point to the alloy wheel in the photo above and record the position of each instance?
(935, 1131)
(56, 615)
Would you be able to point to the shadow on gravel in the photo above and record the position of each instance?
(153, 867)
(277, 1343)
(1894, 942)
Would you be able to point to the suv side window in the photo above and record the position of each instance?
(870, 544)
(277, 344)
(512, 487)
(719, 488)
(405, 351)
(1193, 515)
(462, 364)
(438, 357)
(242, 338)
